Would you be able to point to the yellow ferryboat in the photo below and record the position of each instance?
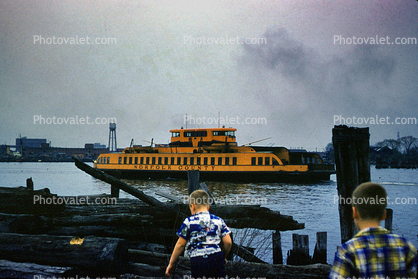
(215, 153)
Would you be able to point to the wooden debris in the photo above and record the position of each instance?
(10, 269)
(96, 254)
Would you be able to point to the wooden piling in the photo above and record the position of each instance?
(320, 252)
(299, 255)
(29, 183)
(114, 190)
(351, 151)
(193, 177)
(277, 248)
(388, 220)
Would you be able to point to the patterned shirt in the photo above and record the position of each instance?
(203, 232)
(375, 253)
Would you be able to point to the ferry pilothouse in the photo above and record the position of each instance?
(215, 153)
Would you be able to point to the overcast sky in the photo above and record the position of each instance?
(166, 59)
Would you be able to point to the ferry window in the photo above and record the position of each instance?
(192, 161)
(120, 160)
(125, 159)
(136, 160)
(226, 160)
(185, 161)
(141, 160)
(198, 159)
(234, 161)
(260, 160)
(130, 160)
(165, 160)
(172, 160)
(175, 134)
(205, 160)
(108, 160)
(147, 161)
(253, 161)
(153, 160)
(275, 163)
(220, 161)
(178, 160)
(160, 160)
(224, 133)
(230, 133)
(196, 134)
(267, 161)
(218, 133)
(212, 161)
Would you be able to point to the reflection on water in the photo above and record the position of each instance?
(312, 204)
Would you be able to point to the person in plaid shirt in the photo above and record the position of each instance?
(373, 252)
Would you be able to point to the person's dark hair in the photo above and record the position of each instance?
(370, 200)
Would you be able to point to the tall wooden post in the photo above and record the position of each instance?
(29, 183)
(388, 220)
(320, 252)
(114, 191)
(351, 151)
(193, 177)
(277, 248)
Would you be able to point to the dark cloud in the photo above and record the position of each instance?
(356, 82)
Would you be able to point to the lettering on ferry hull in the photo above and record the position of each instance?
(158, 167)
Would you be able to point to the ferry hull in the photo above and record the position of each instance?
(231, 176)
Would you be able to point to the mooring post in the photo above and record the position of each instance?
(114, 191)
(388, 220)
(29, 183)
(277, 248)
(320, 253)
(351, 150)
(299, 255)
(193, 177)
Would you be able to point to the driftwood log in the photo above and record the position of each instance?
(95, 254)
(155, 264)
(24, 198)
(10, 269)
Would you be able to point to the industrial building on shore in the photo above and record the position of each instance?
(38, 149)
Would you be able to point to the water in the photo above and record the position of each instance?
(312, 204)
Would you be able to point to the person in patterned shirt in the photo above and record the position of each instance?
(204, 237)
(373, 252)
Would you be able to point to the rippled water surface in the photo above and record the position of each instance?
(312, 204)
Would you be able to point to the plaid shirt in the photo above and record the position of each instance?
(375, 253)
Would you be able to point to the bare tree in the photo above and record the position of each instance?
(408, 143)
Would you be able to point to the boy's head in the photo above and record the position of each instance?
(199, 200)
(369, 200)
